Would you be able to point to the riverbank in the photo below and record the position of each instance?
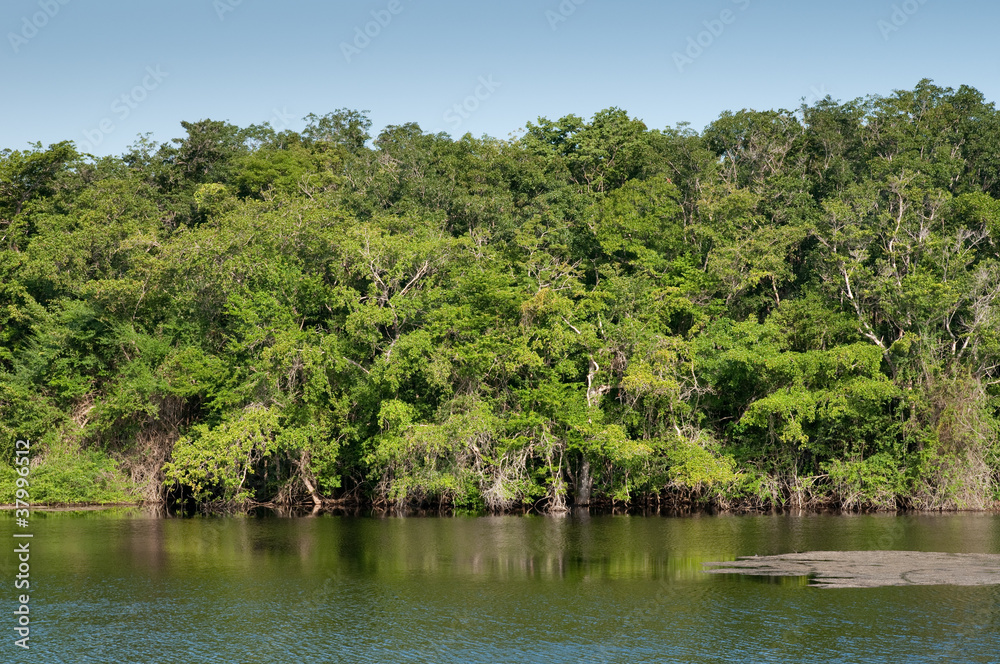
(356, 509)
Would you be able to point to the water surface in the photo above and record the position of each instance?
(124, 586)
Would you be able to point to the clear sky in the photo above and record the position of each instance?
(100, 72)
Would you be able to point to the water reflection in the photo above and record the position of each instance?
(608, 588)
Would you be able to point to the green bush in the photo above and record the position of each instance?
(62, 477)
(874, 482)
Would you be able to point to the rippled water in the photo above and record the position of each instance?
(128, 587)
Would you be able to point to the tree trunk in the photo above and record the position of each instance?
(304, 475)
(312, 491)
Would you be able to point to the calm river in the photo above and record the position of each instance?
(125, 586)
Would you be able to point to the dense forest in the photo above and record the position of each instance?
(789, 308)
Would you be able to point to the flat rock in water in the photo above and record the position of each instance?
(870, 569)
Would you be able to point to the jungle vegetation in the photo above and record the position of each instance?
(788, 308)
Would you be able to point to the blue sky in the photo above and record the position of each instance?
(100, 72)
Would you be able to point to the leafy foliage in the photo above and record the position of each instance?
(786, 308)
